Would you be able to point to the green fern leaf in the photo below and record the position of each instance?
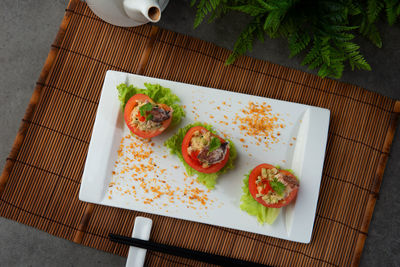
(324, 71)
(272, 21)
(354, 9)
(244, 42)
(298, 42)
(313, 53)
(318, 61)
(201, 13)
(356, 60)
(265, 5)
(287, 28)
(214, 3)
(205, 8)
(371, 32)
(232, 58)
(391, 11)
(249, 9)
(326, 54)
(374, 7)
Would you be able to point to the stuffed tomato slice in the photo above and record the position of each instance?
(204, 151)
(272, 187)
(145, 118)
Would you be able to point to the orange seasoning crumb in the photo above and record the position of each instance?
(260, 122)
(136, 162)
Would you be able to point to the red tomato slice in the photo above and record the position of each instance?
(194, 155)
(131, 104)
(194, 163)
(253, 187)
(267, 187)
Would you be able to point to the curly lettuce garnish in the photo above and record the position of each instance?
(208, 179)
(252, 207)
(156, 92)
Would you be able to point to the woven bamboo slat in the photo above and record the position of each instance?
(40, 183)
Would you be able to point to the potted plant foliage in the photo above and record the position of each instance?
(323, 30)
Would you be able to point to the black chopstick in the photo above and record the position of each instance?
(181, 252)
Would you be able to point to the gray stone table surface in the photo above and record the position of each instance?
(27, 28)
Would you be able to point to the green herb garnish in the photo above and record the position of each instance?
(145, 108)
(277, 186)
(214, 144)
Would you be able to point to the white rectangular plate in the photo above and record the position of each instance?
(114, 176)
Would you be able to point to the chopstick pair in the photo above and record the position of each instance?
(181, 252)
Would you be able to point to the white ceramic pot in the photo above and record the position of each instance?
(128, 13)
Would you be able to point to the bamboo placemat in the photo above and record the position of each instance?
(40, 182)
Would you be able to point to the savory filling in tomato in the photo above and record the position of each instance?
(274, 186)
(148, 117)
(207, 149)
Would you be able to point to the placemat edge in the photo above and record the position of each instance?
(36, 95)
(362, 236)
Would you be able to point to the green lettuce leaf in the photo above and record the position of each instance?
(252, 207)
(156, 92)
(208, 179)
(289, 170)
